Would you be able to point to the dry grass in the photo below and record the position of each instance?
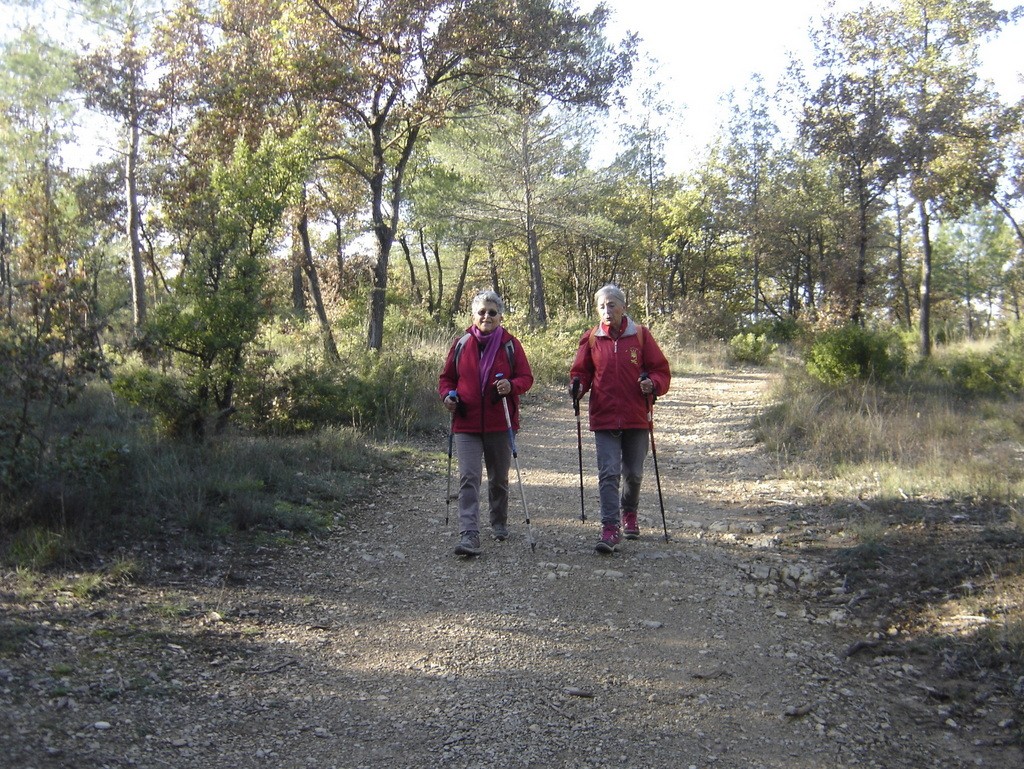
(931, 485)
(900, 444)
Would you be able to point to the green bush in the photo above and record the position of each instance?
(751, 348)
(551, 351)
(996, 373)
(785, 329)
(162, 395)
(385, 393)
(850, 353)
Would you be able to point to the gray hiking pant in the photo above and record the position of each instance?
(620, 456)
(476, 450)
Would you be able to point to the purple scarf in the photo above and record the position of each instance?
(490, 344)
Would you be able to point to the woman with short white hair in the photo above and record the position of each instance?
(484, 366)
(620, 364)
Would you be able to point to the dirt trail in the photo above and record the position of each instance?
(377, 647)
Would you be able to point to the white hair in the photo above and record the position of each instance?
(487, 296)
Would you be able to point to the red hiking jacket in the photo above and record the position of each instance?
(482, 412)
(610, 370)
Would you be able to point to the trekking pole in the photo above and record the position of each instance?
(451, 435)
(651, 399)
(579, 442)
(519, 475)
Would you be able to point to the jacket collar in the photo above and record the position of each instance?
(629, 330)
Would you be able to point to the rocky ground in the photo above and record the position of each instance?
(737, 643)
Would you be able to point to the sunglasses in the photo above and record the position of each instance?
(482, 313)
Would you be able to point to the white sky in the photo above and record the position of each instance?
(706, 49)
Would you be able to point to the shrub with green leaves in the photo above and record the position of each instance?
(162, 395)
(849, 353)
(48, 354)
(751, 348)
(785, 329)
(998, 372)
(206, 327)
(551, 351)
(380, 393)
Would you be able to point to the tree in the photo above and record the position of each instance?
(386, 71)
(641, 166)
(973, 255)
(849, 119)
(219, 299)
(1009, 195)
(752, 157)
(48, 324)
(113, 78)
(948, 124)
(521, 169)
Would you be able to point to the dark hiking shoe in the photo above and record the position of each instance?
(500, 531)
(610, 538)
(630, 527)
(469, 544)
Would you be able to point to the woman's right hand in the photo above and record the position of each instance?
(451, 403)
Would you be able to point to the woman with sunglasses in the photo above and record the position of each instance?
(484, 366)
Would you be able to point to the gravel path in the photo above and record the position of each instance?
(377, 647)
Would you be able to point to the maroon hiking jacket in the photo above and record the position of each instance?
(610, 370)
(482, 412)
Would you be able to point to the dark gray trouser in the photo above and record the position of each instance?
(476, 450)
(620, 455)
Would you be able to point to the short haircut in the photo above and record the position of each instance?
(611, 291)
(487, 296)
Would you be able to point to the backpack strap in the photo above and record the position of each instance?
(458, 348)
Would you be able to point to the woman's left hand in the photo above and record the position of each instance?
(646, 386)
(503, 386)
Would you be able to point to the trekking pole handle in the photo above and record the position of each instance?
(498, 378)
(644, 376)
(649, 398)
(452, 396)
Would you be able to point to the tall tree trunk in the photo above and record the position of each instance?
(435, 249)
(968, 298)
(756, 282)
(538, 306)
(385, 223)
(339, 251)
(426, 267)
(901, 269)
(298, 288)
(492, 262)
(926, 283)
(467, 250)
(378, 292)
(861, 280)
(326, 334)
(131, 173)
(415, 292)
(5, 265)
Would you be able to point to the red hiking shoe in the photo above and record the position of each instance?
(630, 527)
(610, 538)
